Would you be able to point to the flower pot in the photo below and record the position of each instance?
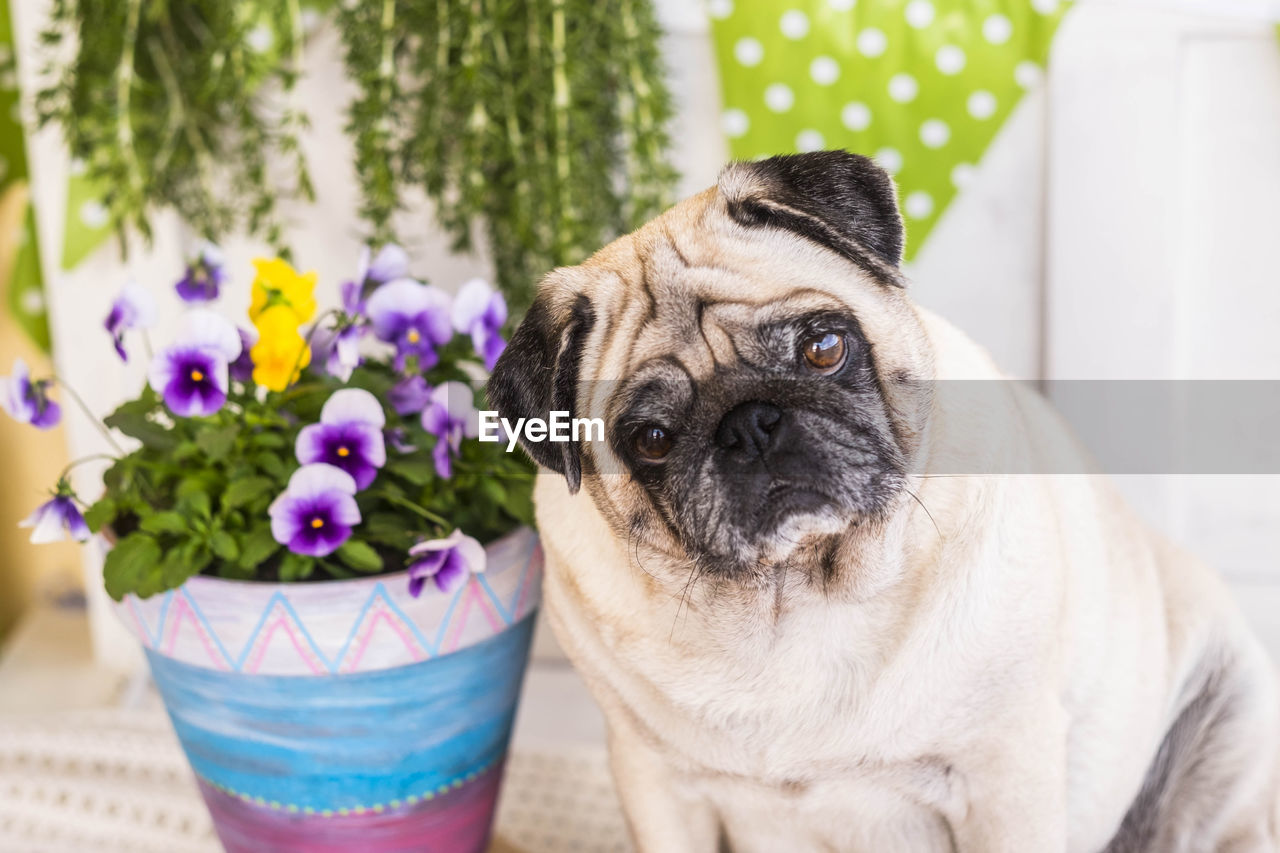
(346, 715)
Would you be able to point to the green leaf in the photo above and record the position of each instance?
(257, 547)
(101, 514)
(360, 556)
(175, 568)
(196, 503)
(271, 464)
(164, 522)
(241, 492)
(217, 442)
(128, 564)
(416, 471)
(131, 419)
(223, 544)
(296, 567)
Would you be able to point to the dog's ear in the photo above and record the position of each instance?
(538, 373)
(842, 201)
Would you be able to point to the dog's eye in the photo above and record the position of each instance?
(653, 443)
(824, 352)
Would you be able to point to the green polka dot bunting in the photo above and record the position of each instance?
(921, 85)
(26, 288)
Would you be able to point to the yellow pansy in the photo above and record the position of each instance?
(281, 352)
(277, 283)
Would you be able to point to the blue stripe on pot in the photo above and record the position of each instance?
(346, 742)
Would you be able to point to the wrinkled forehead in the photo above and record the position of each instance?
(693, 283)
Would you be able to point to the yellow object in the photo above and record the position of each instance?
(279, 284)
(281, 352)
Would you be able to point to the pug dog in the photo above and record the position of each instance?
(803, 641)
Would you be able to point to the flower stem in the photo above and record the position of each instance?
(75, 463)
(84, 407)
(413, 507)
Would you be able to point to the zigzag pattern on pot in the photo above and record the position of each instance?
(339, 627)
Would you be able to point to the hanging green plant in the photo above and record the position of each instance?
(181, 103)
(542, 120)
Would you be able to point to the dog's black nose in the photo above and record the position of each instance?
(749, 428)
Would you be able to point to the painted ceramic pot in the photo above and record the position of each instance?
(346, 715)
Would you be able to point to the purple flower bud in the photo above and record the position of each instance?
(241, 370)
(316, 512)
(134, 308)
(391, 262)
(203, 276)
(447, 562)
(410, 395)
(26, 401)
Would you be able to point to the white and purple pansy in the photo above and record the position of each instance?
(26, 401)
(134, 308)
(446, 562)
(192, 373)
(203, 276)
(480, 311)
(56, 519)
(413, 317)
(338, 348)
(241, 370)
(316, 512)
(391, 263)
(450, 416)
(349, 436)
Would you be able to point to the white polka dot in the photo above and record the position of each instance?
(1027, 73)
(794, 24)
(872, 42)
(903, 88)
(260, 39)
(934, 133)
(810, 140)
(1045, 7)
(719, 9)
(920, 13)
(779, 97)
(918, 205)
(949, 59)
(841, 5)
(997, 29)
(735, 123)
(824, 70)
(78, 166)
(32, 301)
(890, 160)
(856, 116)
(962, 175)
(982, 104)
(748, 51)
(93, 214)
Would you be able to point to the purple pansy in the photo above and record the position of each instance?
(446, 561)
(134, 308)
(412, 316)
(192, 373)
(450, 416)
(410, 395)
(349, 436)
(338, 349)
(316, 512)
(57, 518)
(391, 263)
(398, 438)
(241, 370)
(480, 311)
(26, 401)
(203, 276)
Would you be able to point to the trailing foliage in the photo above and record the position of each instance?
(181, 103)
(541, 121)
(545, 120)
